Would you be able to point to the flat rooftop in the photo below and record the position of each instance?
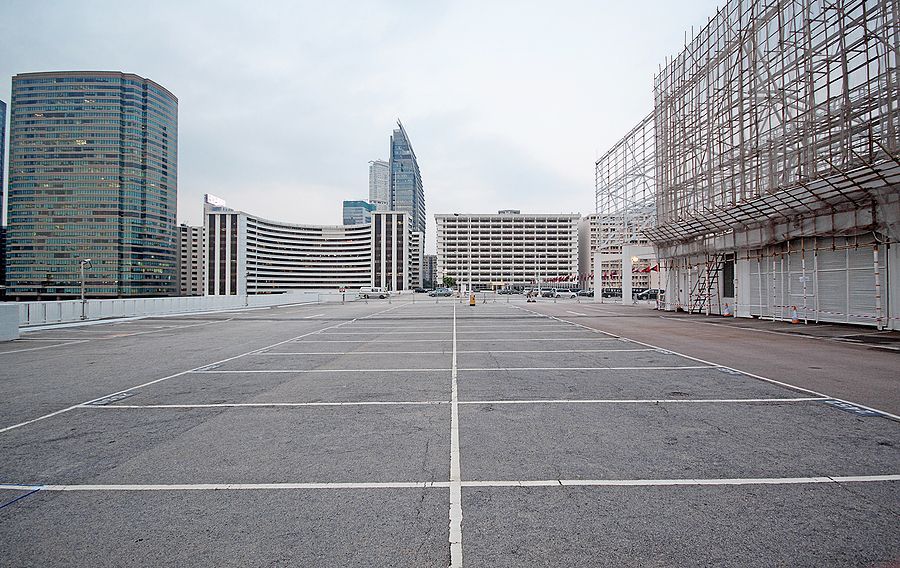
(426, 432)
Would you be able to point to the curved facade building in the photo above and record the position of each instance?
(92, 174)
(246, 254)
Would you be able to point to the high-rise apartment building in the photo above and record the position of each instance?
(392, 240)
(607, 234)
(190, 260)
(358, 212)
(507, 249)
(380, 184)
(428, 271)
(407, 194)
(92, 175)
(2, 164)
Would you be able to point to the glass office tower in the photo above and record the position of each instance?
(92, 175)
(407, 194)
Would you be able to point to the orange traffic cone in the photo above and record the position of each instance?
(794, 317)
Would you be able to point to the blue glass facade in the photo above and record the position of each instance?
(92, 174)
(407, 194)
(358, 212)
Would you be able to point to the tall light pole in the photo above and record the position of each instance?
(85, 264)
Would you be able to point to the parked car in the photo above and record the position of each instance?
(651, 294)
(445, 292)
(419, 290)
(565, 294)
(611, 293)
(586, 293)
(373, 292)
(507, 291)
(548, 293)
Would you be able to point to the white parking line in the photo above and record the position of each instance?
(837, 479)
(575, 313)
(231, 486)
(456, 513)
(313, 316)
(660, 368)
(233, 372)
(676, 482)
(269, 404)
(646, 401)
(342, 353)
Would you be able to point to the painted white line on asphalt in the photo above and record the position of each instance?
(455, 472)
(263, 371)
(755, 376)
(342, 353)
(575, 313)
(45, 347)
(232, 486)
(269, 404)
(313, 316)
(675, 482)
(838, 479)
(646, 401)
(153, 382)
(664, 368)
(374, 341)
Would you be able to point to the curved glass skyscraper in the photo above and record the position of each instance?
(92, 174)
(407, 194)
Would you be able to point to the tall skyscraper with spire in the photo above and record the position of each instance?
(407, 194)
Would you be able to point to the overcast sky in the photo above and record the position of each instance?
(283, 104)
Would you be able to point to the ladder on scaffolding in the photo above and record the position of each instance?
(706, 289)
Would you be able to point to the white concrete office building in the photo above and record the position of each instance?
(508, 249)
(190, 260)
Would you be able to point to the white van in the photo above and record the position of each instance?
(373, 292)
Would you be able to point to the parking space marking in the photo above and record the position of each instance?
(252, 371)
(342, 353)
(231, 486)
(270, 404)
(646, 401)
(455, 471)
(155, 381)
(660, 368)
(679, 482)
(313, 316)
(575, 313)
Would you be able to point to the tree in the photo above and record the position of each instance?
(449, 282)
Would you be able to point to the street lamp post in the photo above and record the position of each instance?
(85, 264)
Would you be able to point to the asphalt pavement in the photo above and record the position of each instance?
(423, 432)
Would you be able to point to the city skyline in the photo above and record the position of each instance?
(293, 116)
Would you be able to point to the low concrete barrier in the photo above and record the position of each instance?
(67, 311)
(9, 322)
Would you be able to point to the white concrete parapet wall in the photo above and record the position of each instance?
(67, 311)
(9, 322)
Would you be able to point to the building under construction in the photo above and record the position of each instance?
(777, 178)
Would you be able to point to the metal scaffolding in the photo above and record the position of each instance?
(625, 183)
(777, 108)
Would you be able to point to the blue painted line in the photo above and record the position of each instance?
(10, 502)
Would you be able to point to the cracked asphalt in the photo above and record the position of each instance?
(321, 436)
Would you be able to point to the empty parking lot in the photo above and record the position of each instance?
(425, 434)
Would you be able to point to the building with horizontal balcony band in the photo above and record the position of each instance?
(246, 254)
(507, 249)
